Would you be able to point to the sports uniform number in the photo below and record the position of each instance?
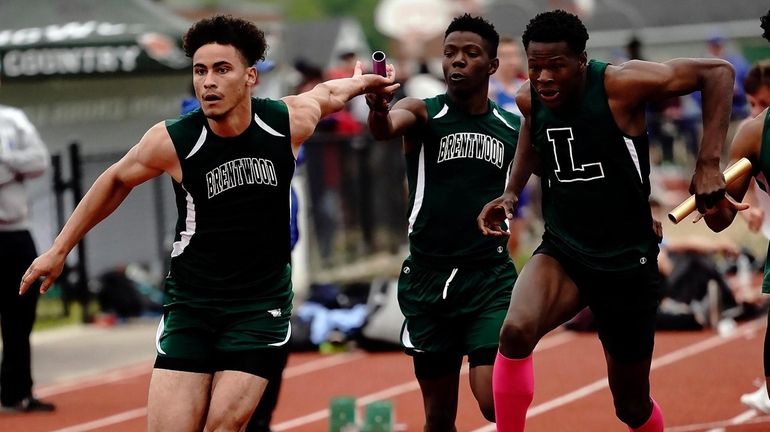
(567, 168)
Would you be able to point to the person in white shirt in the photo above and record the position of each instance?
(22, 156)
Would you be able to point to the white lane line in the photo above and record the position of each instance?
(293, 371)
(748, 417)
(739, 419)
(406, 387)
(93, 381)
(106, 421)
(144, 368)
(672, 357)
(322, 363)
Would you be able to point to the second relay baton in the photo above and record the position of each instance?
(733, 173)
(378, 63)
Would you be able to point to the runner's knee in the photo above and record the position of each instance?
(517, 340)
(634, 413)
(439, 420)
(487, 409)
(225, 421)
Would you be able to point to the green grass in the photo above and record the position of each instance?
(50, 313)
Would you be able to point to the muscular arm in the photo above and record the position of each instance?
(526, 161)
(746, 143)
(404, 115)
(634, 83)
(153, 155)
(306, 109)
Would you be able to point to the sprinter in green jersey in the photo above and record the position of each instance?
(455, 285)
(752, 141)
(228, 293)
(584, 134)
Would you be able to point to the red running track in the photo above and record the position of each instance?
(697, 378)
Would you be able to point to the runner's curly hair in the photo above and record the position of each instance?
(227, 30)
(556, 26)
(765, 20)
(478, 25)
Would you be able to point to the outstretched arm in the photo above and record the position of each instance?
(635, 83)
(385, 123)
(306, 109)
(526, 161)
(152, 156)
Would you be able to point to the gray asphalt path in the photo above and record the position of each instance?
(65, 354)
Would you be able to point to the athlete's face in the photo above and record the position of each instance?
(467, 65)
(221, 78)
(556, 73)
(759, 100)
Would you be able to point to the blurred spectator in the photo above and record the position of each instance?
(124, 295)
(672, 119)
(634, 48)
(356, 107)
(510, 75)
(757, 86)
(659, 136)
(190, 102)
(22, 156)
(310, 75)
(346, 61)
(688, 267)
(322, 168)
(346, 151)
(716, 48)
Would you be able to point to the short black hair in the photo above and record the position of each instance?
(227, 30)
(478, 25)
(757, 77)
(556, 26)
(765, 20)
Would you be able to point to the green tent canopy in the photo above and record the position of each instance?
(58, 38)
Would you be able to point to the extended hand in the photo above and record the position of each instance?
(708, 186)
(490, 220)
(753, 218)
(727, 202)
(374, 83)
(46, 268)
(378, 102)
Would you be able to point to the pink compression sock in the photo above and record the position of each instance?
(654, 423)
(513, 386)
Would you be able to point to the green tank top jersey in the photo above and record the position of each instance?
(233, 201)
(762, 181)
(461, 162)
(595, 185)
